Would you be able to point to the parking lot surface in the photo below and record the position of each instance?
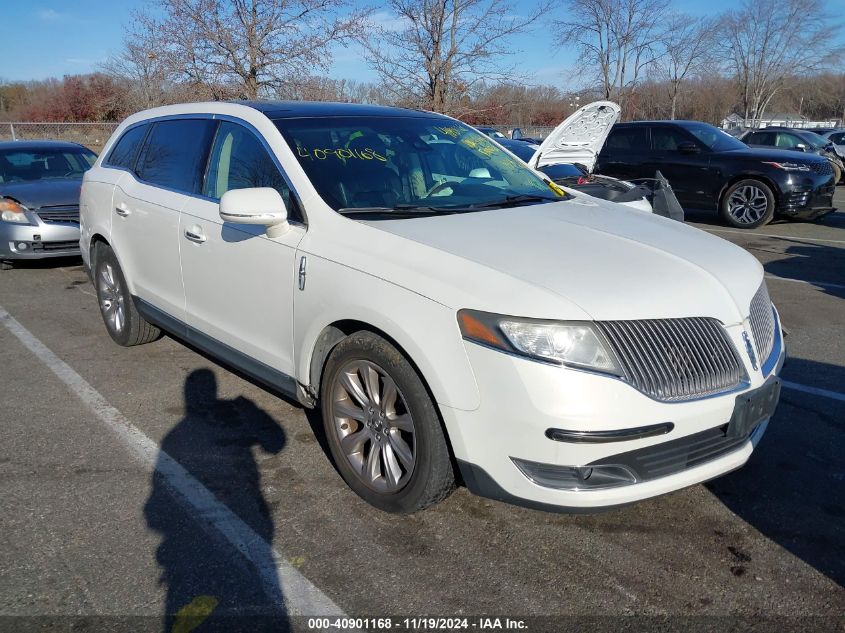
(91, 524)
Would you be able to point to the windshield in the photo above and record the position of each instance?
(21, 165)
(714, 138)
(816, 141)
(421, 162)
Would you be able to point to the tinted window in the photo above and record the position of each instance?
(837, 137)
(627, 139)
(760, 138)
(238, 160)
(714, 138)
(126, 149)
(668, 139)
(175, 153)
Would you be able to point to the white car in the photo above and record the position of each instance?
(454, 316)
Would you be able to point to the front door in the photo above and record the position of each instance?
(685, 162)
(239, 283)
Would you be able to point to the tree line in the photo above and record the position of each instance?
(455, 56)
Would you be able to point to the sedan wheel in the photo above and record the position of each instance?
(373, 426)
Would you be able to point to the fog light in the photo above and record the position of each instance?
(576, 477)
(22, 246)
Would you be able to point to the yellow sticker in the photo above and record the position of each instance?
(193, 614)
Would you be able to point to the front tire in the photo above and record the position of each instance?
(117, 307)
(383, 428)
(748, 204)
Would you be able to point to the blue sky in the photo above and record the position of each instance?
(51, 38)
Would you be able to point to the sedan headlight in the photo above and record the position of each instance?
(11, 211)
(573, 343)
(788, 166)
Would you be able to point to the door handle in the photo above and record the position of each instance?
(194, 234)
(122, 210)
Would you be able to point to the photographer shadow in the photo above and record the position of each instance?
(210, 584)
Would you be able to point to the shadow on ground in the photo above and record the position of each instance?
(210, 585)
(812, 262)
(793, 488)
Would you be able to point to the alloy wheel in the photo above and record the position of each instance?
(111, 298)
(373, 426)
(748, 204)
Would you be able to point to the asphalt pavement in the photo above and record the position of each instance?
(92, 525)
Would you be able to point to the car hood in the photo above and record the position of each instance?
(580, 137)
(591, 258)
(43, 193)
(776, 155)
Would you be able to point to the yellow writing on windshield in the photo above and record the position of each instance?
(342, 153)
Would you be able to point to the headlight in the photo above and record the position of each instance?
(788, 166)
(11, 211)
(573, 343)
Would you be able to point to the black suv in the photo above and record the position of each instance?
(710, 169)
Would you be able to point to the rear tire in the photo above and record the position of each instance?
(748, 204)
(383, 428)
(117, 307)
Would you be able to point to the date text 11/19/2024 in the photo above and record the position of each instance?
(417, 624)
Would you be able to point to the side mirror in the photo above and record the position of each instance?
(689, 148)
(259, 205)
(801, 147)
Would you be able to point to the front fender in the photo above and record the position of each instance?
(426, 330)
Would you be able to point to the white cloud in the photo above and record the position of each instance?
(388, 22)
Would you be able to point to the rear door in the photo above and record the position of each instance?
(625, 153)
(239, 283)
(147, 202)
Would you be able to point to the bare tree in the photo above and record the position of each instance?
(687, 50)
(434, 51)
(769, 41)
(245, 48)
(619, 39)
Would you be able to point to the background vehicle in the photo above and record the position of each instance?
(492, 133)
(795, 139)
(837, 137)
(39, 198)
(710, 169)
(364, 259)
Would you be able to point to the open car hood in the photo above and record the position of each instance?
(580, 137)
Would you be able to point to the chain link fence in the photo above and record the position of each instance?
(95, 135)
(91, 135)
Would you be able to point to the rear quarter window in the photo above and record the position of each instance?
(175, 154)
(126, 149)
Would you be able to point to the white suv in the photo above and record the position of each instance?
(453, 314)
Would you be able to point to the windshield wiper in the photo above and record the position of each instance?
(400, 210)
(516, 200)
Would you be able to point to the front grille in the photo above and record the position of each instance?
(678, 455)
(675, 359)
(762, 319)
(44, 247)
(59, 214)
(821, 167)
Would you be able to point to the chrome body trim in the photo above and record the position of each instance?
(604, 437)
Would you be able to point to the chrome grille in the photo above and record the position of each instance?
(762, 322)
(675, 359)
(59, 214)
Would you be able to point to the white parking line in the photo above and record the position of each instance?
(816, 391)
(782, 237)
(277, 576)
(823, 284)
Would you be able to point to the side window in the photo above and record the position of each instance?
(126, 149)
(175, 153)
(787, 141)
(667, 139)
(239, 160)
(761, 138)
(627, 140)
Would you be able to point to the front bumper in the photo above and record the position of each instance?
(39, 239)
(807, 197)
(521, 400)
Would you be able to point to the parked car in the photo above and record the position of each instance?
(837, 137)
(518, 135)
(710, 169)
(39, 199)
(442, 304)
(492, 133)
(798, 140)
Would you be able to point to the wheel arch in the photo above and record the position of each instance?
(769, 182)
